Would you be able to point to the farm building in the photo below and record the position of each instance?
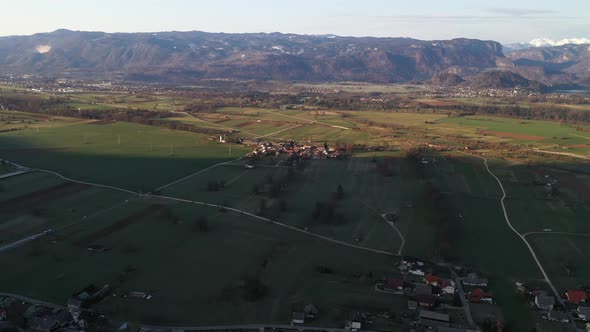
(311, 311)
(352, 326)
(416, 271)
(422, 289)
(479, 295)
(426, 301)
(454, 329)
(558, 316)
(433, 319)
(298, 317)
(584, 313)
(576, 296)
(474, 280)
(544, 301)
(44, 324)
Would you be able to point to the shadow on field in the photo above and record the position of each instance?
(448, 208)
(135, 172)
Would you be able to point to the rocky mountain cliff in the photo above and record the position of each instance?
(566, 64)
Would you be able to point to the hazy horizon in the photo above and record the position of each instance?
(502, 20)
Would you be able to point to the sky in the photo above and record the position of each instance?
(506, 21)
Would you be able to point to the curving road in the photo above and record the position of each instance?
(275, 223)
(18, 243)
(522, 237)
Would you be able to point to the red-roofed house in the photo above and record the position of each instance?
(432, 280)
(576, 296)
(394, 284)
(478, 295)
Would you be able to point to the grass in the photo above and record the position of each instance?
(195, 277)
(10, 120)
(202, 271)
(38, 213)
(482, 239)
(538, 133)
(566, 258)
(367, 195)
(565, 211)
(147, 157)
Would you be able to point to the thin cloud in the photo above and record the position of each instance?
(468, 19)
(519, 11)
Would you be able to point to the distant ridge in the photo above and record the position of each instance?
(186, 56)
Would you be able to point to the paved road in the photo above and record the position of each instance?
(219, 206)
(464, 301)
(4, 176)
(25, 240)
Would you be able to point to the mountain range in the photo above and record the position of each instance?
(546, 42)
(184, 57)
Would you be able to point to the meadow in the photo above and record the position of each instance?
(197, 274)
(541, 134)
(35, 202)
(136, 157)
(366, 195)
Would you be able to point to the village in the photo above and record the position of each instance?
(441, 298)
(294, 150)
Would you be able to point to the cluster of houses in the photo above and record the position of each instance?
(302, 314)
(476, 289)
(21, 314)
(18, 315)
(295, 150)
(574, 300)
(429, 293)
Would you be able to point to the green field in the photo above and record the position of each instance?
(35, 202)
(544, 134)
(136, 157)
(367, 194)
(195, 277)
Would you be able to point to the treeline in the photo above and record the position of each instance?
(539, 107)
(536, 112)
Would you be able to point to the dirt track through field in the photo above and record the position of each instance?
(514, 135)
(122, 224)
(37, 198)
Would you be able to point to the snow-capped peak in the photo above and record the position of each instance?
(541, 42)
